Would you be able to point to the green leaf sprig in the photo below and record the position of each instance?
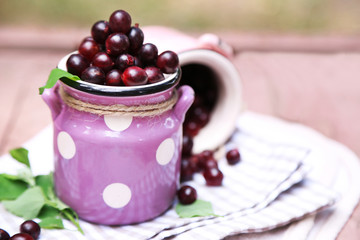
(31, 197)
(199, 208)
(54, 76)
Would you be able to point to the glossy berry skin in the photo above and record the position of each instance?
(124, 61)
(76, 64)
(136, 38)
(187, 195)
(134, 76)
(30, 227)
(186, 170)
(120, 21)
(233, 156)
(88, 48)
(191, 128)
(213, 177)
(204, 156)
(116, 44)
(113, 78)
(93, 75)
(207, 154)
(103, 61)
(148, 54)
(210, 163)
(4, 235)
(194, 163)
(100, 31)
(187, 145)
(200, 115)
(154, 74)
(168, 62)
(22, 236)
(138, 62)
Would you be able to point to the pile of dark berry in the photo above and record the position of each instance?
(115, 55)
(29, 230)
(203, 81)
(204, 163)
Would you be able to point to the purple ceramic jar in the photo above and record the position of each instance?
(118, 168)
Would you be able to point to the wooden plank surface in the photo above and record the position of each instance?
(310, 80)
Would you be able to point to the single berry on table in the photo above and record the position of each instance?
(30, 227)
(136, 38)
(124, 61)
(120, 21)
(168, 62)
(113, 78)
(4, 235)
(103, 61)
(93, 75)
(116, 44)
(233, 156)
(154, 74)
(134, 76)
(100, 31)
(88, 48)
(76, 64)
(148, 54)
(22, 236)
(213, 177)
(187, 195)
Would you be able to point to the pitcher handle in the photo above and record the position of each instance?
(51, 98)
(186, 98)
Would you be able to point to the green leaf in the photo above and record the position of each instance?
(54, 207)
(46, 183)
(21, 155)
(199, 208)
(48, 212)
(11, 187)
(28, 204)
(34, 197)
(51, 223)
(71, 215)
(61, 205)
(26, 175)
(54, 76)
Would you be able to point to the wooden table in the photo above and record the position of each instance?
(310, 80)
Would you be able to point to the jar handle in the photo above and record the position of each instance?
(51, 98)
(186, 98)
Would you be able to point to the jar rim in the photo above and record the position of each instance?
(115, 91)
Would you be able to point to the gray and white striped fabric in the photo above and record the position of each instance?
(266, 190)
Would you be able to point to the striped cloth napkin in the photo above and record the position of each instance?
(266, 190)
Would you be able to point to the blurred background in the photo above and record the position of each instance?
(298, 59)
(300, 16)
(267, 35)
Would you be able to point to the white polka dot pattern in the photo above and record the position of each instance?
(66, 145)
(118, 123)
(165, 151)
(117, 195)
